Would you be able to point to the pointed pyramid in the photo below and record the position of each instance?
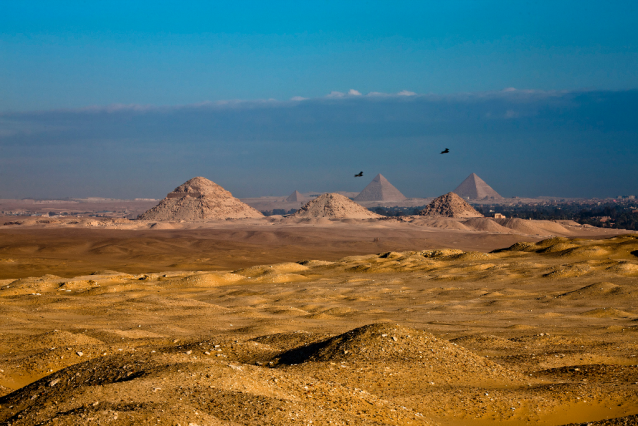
(296, 196)
(475, 188)
(334, 206)
(199, 199)
(380, 189)
(449, 205)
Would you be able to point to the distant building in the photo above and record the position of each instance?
(475, 188)
(380, 189)
(499, 216)
(297, 196)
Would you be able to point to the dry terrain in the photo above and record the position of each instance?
(311, 321)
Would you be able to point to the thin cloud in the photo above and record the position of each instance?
(511, 95)
(260, 146)
(335, 94)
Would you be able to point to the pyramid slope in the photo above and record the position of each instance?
(449, 205)
(334, 206)
(296, 196)
(199, 199)
(475, 188)
(380, 189)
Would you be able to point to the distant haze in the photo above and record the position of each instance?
(522, 143)
(129, 99)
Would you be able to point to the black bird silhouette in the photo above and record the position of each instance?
(445, 151)
(359, 174)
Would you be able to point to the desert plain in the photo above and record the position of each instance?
(316, 321)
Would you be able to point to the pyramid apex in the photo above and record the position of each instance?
(296, 196)
(473, 187)
(197, 179)
(199, 199)
(380, 189)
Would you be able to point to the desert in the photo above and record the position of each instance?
(318, 213)
(333, 315)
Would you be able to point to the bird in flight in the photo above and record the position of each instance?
(445, 151)
(359, 174)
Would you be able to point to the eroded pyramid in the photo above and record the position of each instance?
(334, 206)
(380, 189)
(449, 205)
(475, 188)
(197, 200)
(296, 196)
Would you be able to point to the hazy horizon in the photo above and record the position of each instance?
(129, 100)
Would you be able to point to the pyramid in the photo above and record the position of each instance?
(449, 205)
(475, 188)
(296, 196)
(199, 199)
(380, 189)
(334, 206)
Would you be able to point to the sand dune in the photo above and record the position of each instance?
(537, 333)
(73, 249)
(485, 224)
(597, 291)
(442, 223)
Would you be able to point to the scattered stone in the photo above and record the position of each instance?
(334, 206)
(449, 205)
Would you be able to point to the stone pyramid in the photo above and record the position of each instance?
(380, 189)
(334, 206)
(197, 200)
(475, 188)
(296, 196)
(449, 205)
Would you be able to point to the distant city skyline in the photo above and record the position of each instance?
(131, 99)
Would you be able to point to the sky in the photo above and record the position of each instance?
(130, 99)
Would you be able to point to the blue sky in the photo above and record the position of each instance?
(67, 67)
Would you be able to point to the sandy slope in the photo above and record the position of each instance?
(68, 247)
(540, 333)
